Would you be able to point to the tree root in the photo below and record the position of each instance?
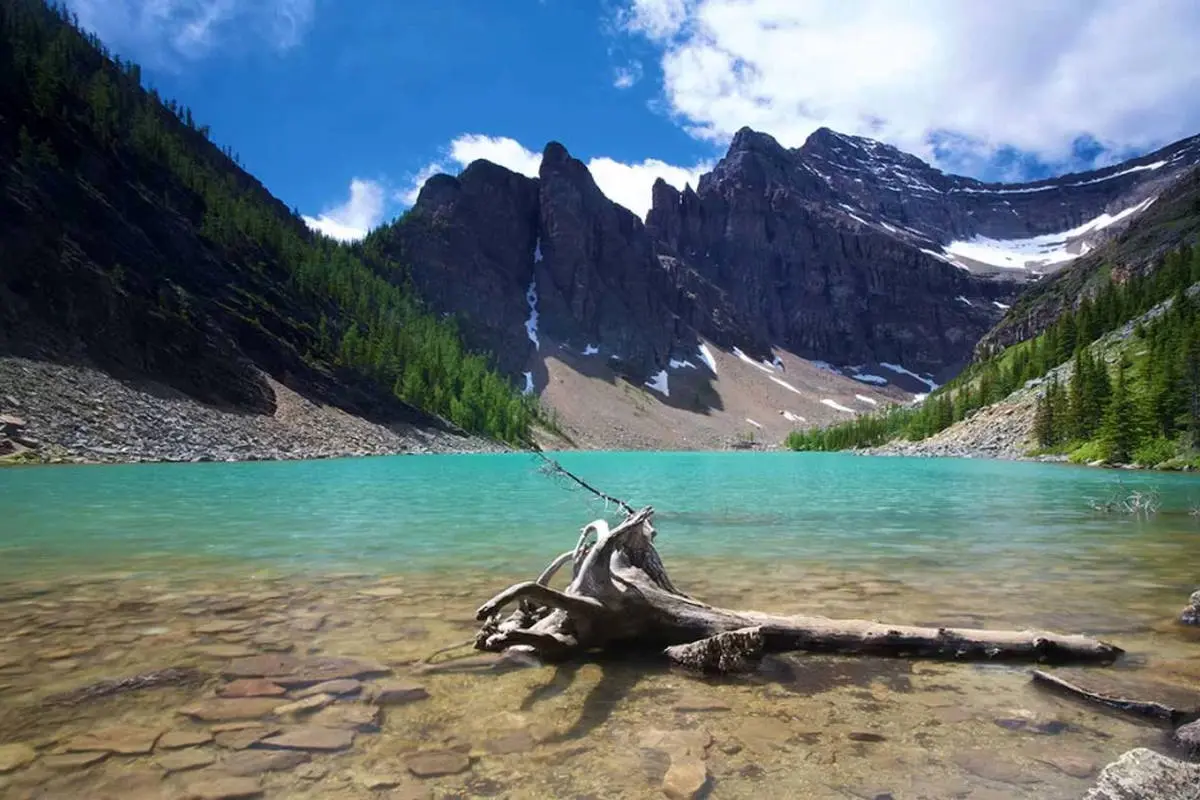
(1138, 708)
(620, 596)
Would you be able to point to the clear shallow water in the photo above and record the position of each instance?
(112, 571)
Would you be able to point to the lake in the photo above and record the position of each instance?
(113, 571)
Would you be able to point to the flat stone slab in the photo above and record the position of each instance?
(436, 763)
(229, 709)
(509, 743)
(354, 716)
(395, 693)
(218, 786)
(312, 738)
(319, 670)
(174, 740)
(185, 760)
(292, 672)
(65, 762)
(123, 739)
(986, 765)
(15, 756)
(223, 650)
(242, 738)
(1143, 773)
(306, 706)
(251, 687)
(224, 626)
(255, 762)
(338, 688)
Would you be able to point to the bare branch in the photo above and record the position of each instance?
(554, 468)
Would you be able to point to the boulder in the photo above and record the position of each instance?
(1191, 614)
(1143, 773)
(1187, 737)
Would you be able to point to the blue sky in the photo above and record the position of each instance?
(340, 108)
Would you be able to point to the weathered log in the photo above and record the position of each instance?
(621, 596)
(1137, 708)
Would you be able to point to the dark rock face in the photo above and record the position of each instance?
(834, 250)
(486, 244)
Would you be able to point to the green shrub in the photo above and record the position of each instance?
(1154, 451)
(1088, 453)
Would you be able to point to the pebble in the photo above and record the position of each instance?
(436, 763)
(686, 778)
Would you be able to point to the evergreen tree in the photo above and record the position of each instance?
(1119, 432)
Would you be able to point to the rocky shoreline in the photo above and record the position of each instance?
(53, 413)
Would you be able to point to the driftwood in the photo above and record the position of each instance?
(620, 596)
(172, 676)
(1138, 708)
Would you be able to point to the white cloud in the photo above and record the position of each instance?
(626, 184)
(1025, 73)
(161, 30)
(625, 77)
(353, 219)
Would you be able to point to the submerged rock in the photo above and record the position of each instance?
(174, 740)
(185, 760)
(1191, 614)
(1145, 773)
(1188, 737)
(15, 756)
(686, 778)
(312, 738)
(229, 710)
(122, 739)
(394, 693)
(66, 762)
(436, 763)
(218, 786)
(255, 762)
(251, 687)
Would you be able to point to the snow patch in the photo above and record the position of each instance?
(1141, 168)
(767, 368)
(752, 422)
(531, 324)
(962, 299)
(941, 257)
(1000, 305)
(681, 364)
(707, 357)
(878, 380)
(528, 383)
(869, 401)
(790, 417)
(1037, 251)
(659, 383)
(911, 374)
(537, 251)
(825, 365)
(786, 385)
(591, 350)
(836, 405)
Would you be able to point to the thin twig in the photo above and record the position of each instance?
(555, 468)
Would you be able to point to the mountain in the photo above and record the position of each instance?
(1099, 363)
(135, 246)
(845, 252)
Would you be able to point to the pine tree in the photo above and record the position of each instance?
(1119, 432)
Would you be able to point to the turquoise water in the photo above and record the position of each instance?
(112, 571)
(499, 512)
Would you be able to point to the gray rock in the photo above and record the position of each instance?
(1142, 774)
(1191, 614)
(1187, 737)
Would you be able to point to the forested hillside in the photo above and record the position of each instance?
(1135, 402)
(133, 243)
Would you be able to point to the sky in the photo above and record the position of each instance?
(343, 109)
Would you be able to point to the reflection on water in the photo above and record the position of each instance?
(803, 726)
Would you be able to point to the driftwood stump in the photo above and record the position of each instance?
(621, 597)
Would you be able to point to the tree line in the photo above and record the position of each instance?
(1157, 382)
(64, 93)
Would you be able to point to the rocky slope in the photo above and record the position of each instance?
(65, 414)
